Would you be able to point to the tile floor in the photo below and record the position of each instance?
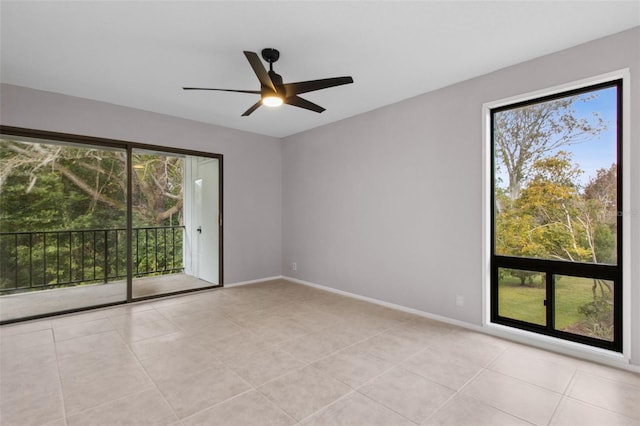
(278, 353)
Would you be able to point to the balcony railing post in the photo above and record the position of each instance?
(146, 249)
(30, 261)
(44, 259)
(94, 253)
(57, 257)
(106, 257)
(16, 266)
(82, 255)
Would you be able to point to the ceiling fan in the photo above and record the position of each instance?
(273, 92)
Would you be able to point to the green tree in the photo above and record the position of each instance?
(85, 187)
(552, 199)
(524, 135)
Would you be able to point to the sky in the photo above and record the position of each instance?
(601, 151)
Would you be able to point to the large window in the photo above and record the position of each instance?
(556, 229)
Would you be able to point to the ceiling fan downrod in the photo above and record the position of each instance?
(270, 55)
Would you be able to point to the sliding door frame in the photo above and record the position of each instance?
(128, 146)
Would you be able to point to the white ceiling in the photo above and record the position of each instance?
(140, 53)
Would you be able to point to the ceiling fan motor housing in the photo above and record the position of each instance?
(270, 55)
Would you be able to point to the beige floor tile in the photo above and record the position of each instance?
(18, 385)
(136, 331)
(33, 408)
(59, 422)
(276, 330)
(466, 411)
(24, 327)
(144, 408)
(174, 365)
(606, 393)
(195, 310)
(136, 317)
(79, 329)
(248, 409)
(520, 399)
(612, 373)
(312, 319)
(572, 412)
(24, 341)
(423, 331)
(88, 391)
(468, 348)
(364, 326)
(436, 328)
(264, 365)
(267, 314)
(352, 366)
(229, 347)
(312, 347)
(206, 323)
(407, 393)
(27, 358)
(533, 368)
(91, 363)
(303, 392)
(355, 410)
(106, 342)
(190, 393)
(391, 347)
(164, 345)
(439, 367)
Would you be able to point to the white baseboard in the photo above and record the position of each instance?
(388, 305)
(530, 339)
(239, 283)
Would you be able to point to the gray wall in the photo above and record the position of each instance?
(252, 165)
(388, 204)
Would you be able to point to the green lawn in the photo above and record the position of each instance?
(526, 302)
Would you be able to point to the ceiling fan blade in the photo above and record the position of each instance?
(257, 92)
(259, 69)
(310, 86)
(253, 108)
(303, 103)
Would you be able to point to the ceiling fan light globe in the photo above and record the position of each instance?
(272, 101)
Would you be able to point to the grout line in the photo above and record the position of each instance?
(388, 408)
(325, 407)
(61, 388)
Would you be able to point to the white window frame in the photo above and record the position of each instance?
(543, 341)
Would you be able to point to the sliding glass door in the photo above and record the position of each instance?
(88, 222)
(175, 233)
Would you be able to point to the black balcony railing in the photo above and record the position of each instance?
(52, 259)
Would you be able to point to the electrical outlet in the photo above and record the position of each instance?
(294, 266)
(459, 300)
